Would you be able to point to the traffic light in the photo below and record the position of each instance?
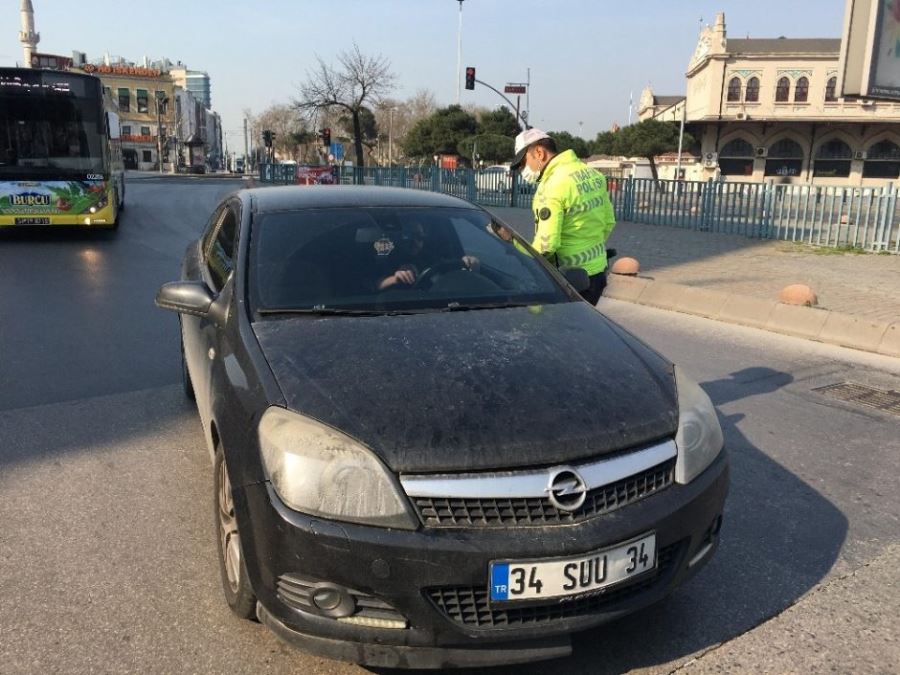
(470, 78)
(326, 137)
(267, 138)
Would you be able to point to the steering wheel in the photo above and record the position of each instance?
(440, 267)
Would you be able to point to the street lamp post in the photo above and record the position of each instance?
(160, 100)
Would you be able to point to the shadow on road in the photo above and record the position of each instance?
(779, 539)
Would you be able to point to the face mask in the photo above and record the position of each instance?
(528, 175)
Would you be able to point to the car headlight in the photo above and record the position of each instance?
(699, 437)
(322, 472)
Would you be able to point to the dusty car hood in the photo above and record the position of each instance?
(479, 389)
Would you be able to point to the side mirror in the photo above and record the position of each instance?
(185, 297)
(577, 277)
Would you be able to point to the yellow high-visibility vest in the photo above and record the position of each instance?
(573, 215)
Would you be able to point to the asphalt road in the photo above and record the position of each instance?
(107, 553)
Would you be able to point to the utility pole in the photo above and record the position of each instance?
(391, 137)
(681, 139)
(459, 54)
(528, 97)
(246, 144)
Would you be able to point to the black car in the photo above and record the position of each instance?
(427, 449)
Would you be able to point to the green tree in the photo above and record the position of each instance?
(604, 144)
(492, 148)
(649, 139)
(499, 122)
(566, 141)
(440, 132)
(357, 81)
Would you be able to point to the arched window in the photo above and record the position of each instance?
(785, 158)
(752, 95)
(882, 161)
(736, 158)
(831, 90)
(801, 90)
(783, 90)
(833, 160)
(734, 90)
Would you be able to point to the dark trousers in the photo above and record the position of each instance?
(595, 290)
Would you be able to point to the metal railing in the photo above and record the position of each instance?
(836, 216)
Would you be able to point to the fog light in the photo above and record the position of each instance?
(93, 209)
(87, 221)
(327, 598)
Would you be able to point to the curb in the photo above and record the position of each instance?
(821, 325)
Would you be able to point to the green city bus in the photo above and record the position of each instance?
(60, 153)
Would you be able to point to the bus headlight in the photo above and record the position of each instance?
(699, 437)
(319, 471)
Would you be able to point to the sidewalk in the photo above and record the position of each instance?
(859, 291)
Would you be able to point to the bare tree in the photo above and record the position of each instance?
(358, 82)
(288, 126)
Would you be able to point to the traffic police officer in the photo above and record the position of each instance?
(573, 215)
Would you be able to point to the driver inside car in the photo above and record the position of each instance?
(410, 258)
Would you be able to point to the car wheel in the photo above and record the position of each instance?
(235, 581)
(186, 377)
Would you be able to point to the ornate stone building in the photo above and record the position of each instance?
(766, 109)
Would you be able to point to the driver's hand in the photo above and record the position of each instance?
(405, 276)
(471, 262)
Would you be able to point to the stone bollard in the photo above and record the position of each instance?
(628, 266)
(798, 294)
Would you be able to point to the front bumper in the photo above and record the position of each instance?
(437, 579)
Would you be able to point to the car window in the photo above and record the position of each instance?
(390, 259)
(220, 255)
(210, 230)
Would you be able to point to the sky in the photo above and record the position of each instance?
(586, 57)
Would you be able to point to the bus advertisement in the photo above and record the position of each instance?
(60, 153)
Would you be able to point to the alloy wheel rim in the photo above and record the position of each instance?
(230, 539)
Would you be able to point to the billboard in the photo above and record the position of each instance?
(870, 50)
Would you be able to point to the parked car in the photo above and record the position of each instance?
(427, 449)
(495, 178)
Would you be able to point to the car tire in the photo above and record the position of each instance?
(186, 377)
(233, 569)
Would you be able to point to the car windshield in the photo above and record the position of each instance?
(384, 260)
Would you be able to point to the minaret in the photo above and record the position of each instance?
(27, 36)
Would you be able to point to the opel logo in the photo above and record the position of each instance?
(566, 489)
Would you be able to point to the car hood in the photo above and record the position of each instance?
(482, 389)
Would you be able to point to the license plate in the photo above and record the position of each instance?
(512, 581)
(32, 221)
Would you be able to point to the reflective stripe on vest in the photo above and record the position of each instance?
(593, 252)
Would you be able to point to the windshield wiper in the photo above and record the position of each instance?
(458, 307)
(330, 311)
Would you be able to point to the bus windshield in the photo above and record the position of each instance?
(49, 131)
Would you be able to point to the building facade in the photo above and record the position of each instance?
(195, 81)
(146, 99)
(769, 109)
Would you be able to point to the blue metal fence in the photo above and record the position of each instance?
(836, 216)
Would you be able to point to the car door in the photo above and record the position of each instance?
(202, 338)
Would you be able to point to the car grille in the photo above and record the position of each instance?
(469, 605)
(484, 512)
(297, 593)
